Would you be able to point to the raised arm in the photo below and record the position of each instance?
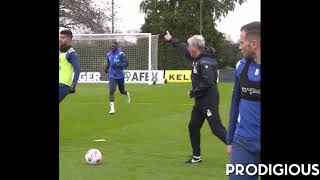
(182, 47)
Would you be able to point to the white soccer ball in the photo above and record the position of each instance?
(93, 156)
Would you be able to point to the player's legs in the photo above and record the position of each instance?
(195, 125)
(244, 152)
(122, 89)
(63, 91)
(214, 121)
(112, 89)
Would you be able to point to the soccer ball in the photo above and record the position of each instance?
(93, 156)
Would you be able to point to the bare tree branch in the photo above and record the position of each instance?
(84, 15)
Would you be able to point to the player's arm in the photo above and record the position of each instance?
(72, 57)
(107, 66)
(208, 77)
(234, 110)
(123, 60)
(181, 47)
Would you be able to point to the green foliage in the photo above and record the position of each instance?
(228, 54)
(181, 18)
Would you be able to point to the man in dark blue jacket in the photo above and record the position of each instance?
(204, 90)
(116, 62)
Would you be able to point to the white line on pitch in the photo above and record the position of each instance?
(100, 140)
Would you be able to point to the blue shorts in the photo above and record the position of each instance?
(63, 91)
(113, 84)
(244, 152)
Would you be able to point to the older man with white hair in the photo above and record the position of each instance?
(204, 90)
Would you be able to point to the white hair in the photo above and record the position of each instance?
(197, 41)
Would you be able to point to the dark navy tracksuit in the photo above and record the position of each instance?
(205, 92)
(244, 123)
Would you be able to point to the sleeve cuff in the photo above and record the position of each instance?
(191, 93)
(173, 40)
(229, 141)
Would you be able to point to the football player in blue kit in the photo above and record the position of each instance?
(243, 135)
(116, 62)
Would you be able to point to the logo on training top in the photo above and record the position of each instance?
(257, 72)
(116, 59)
(250, 90)
(195, 71)
(209, 113)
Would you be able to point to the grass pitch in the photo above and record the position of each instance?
(145, 140)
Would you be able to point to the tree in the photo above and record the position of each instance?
(228, 54)
(181, 18)
(83, 15)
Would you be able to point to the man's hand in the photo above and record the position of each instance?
(190, 93)
(116, 65)
(167, 37)
(229, 148)
(72, 89)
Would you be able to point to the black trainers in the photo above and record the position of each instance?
(194, 160)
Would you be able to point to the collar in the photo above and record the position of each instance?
(65, 48)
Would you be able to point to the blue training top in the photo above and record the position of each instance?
(116, 62)
(245, 117)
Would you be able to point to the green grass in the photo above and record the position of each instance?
(145, 140)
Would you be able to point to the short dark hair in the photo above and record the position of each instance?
(115, 42)
(66, 32)
(252, 29)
